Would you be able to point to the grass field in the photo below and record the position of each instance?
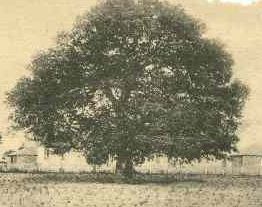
(82, 190)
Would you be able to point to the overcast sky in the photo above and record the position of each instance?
(244, 2)
(27, 26)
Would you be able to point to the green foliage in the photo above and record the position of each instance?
(133, 79)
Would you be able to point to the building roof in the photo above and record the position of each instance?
(246, 155)
(2, 161)
(9, 153)
(24, 150)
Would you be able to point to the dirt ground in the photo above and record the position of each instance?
(33, 190)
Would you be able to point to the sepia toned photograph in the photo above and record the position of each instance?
(129, 103)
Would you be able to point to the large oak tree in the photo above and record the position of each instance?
(131, 80)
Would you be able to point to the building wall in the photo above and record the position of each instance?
(237, 163)
(247, 165)
(251, 165)
(3, 166)
(23, 162)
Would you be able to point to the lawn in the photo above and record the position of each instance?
(82, 190)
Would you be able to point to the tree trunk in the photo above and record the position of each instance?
(128, 170)
(125, 167)
(119, 166)
(94, 169)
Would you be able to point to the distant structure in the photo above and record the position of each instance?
(24, 158)
(246, 164)
(33, 157)
(3, 165)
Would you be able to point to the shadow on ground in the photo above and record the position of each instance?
(111, 178)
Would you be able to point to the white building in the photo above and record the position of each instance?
(33, 157)
(24, 158)
(246, 164)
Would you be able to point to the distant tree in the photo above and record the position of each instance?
(131, 80)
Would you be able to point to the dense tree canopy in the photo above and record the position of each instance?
(132, 79)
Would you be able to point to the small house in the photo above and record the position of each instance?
(24, 158)
(3, 165)
(246, 164)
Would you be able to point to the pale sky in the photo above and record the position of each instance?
(27, 26)
(244, 2)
